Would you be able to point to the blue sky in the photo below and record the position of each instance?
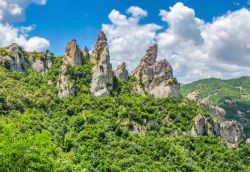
(61, 20)
(200, 39)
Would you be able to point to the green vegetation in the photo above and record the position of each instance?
(233, 95)
(126, 132)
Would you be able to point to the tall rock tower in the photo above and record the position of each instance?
(102, 79)
(72, 57)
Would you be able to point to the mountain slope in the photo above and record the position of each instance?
(232, 95)
(40, 132)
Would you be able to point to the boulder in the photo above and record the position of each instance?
(13, 58)
(121, 72)
(102, 79)
(155, 78)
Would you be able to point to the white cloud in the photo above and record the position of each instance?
(9, 35)
(14, 11)
(195, 49)
(137, 12)
(128, 39)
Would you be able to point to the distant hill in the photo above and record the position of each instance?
(232, 95)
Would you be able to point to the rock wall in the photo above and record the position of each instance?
(72, 57)
(14, 59)
(229, 131)
(155, 78)
(41, 62)
(102, 79)
(216, 111)
(121, 72)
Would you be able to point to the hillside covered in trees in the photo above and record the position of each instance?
(53, 117)
(232, 95)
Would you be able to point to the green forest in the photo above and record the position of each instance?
(124, 132)
(233, 95)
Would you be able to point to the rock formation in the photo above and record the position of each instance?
(121, 72)
(156, 78)
(41, 62)
(72, 57)
(102, 79)
(229, 131)
(72, 54)
(205, 126)
(13, 58)
(216, 111)
(85, 52)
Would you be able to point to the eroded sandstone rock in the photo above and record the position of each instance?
(40, 62)
(229, 131)
(72, 57)
(218, 112)
(232, 132)
(102, 79)
(121, 72)
(156, 78)
(13, 58)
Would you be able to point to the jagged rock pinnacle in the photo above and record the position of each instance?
(102, 79)
(156, 77)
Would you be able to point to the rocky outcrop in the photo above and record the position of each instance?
(41, 62)
(204, 126)
(102, 79)
(155, 78)
(216, 111)
(72, 57)
(73, 54)
(13, 58)
(121, 72)
(229, 131)
(85, 52)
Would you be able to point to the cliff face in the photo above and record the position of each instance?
(41, 62)
(156, 78)
(72, 57)
(229, 131)
(102, 78)
(13, 58)
(218, 112)
(121, 72)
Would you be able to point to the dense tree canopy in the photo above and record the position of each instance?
(125, 132)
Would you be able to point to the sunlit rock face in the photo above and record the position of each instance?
(13, 58)
(102, 79)
(72, 57)
(230, 131)
(155, 78)
(121, 72)
(41, 62)
(216, 111)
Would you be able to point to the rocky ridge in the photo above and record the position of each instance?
(13, 58)
(156, 78)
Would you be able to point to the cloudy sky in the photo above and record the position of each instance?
(199, 39)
